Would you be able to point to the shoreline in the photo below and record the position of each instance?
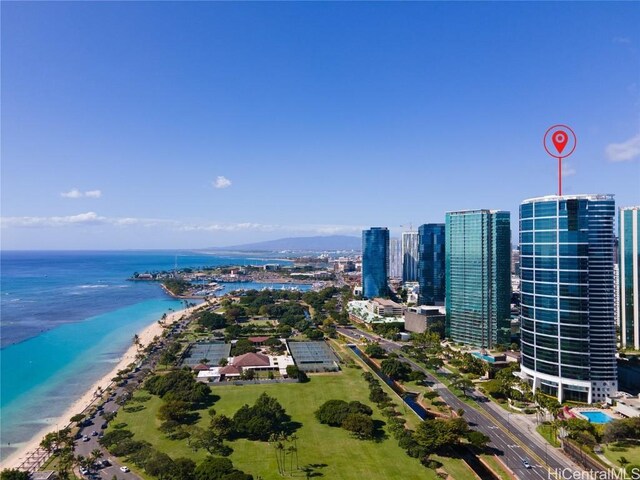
(146, 336)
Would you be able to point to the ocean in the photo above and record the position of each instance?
(67, 317)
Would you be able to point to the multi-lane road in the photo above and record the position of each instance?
(97, 421)
(516, 444)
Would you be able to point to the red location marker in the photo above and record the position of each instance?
(560, 139)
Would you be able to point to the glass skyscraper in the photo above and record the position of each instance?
(431, 264)
(629, 275)
(478, 277)
(375, 262)
(395, 258)
(567, 294)
(409, 256)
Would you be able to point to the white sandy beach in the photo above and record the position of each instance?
(146, 337)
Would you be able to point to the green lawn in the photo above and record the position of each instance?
(547, 431)
(630, 452)
(336, 454)
(455, 467)
(497, 466)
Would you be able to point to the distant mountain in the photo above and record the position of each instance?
(314, 244)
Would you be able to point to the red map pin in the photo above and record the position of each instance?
(560, 139)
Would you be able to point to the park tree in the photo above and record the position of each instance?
(395, 369)
(159, 465)
(14, 474)
(359, 424)
(294, 372)
(221, 425)
(213, 468)
(175, 411)
(183, 469)
(375, 351)
(243, 346)
(208, 439)
(212, 321)
(260, 421)
(478, 439)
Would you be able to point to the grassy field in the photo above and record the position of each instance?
(547, 432)
(335, 454)
(630, 452)
(496, 466)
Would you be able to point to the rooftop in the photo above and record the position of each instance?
(251, 360)
(258, 339)
(586, 196)
(386, 302)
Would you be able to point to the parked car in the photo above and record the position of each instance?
(94, 434)
(85, 438)
(124, 469)
(84, 470)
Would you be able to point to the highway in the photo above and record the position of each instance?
(506, 437)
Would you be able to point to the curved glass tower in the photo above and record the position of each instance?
(375, 262)
(567, 283)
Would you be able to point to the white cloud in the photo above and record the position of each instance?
(75, 193)
(625, 151)
(93, 219)
(568, 170)
(221, 182)
(89, 218)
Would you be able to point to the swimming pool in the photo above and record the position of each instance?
(597, 417)
(486, 358)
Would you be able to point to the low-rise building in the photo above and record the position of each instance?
(419, 319)
(627, 405)
(362, 311)
(385, 307)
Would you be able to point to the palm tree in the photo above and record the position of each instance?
(277, 445)
(291, 449)
(65, 463)
(294, 439)
(96, 454)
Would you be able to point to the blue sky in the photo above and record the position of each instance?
(120, 119)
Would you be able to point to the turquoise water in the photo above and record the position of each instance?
(67, 318)
(597, 417)
(486, 358)
(42, 376)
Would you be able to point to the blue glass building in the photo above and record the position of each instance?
(431, 264)
(409, 256)
(375, 262)
(629, 274)
(478, 277)
(567, 294)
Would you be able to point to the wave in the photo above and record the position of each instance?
(102, 285)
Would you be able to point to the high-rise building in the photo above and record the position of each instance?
(567, 318)
(375, 262)
(629, 275)
(478, 279)
(409, 256)
(395, 258)
(431, 264)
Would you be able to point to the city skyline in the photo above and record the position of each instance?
(209, 124)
